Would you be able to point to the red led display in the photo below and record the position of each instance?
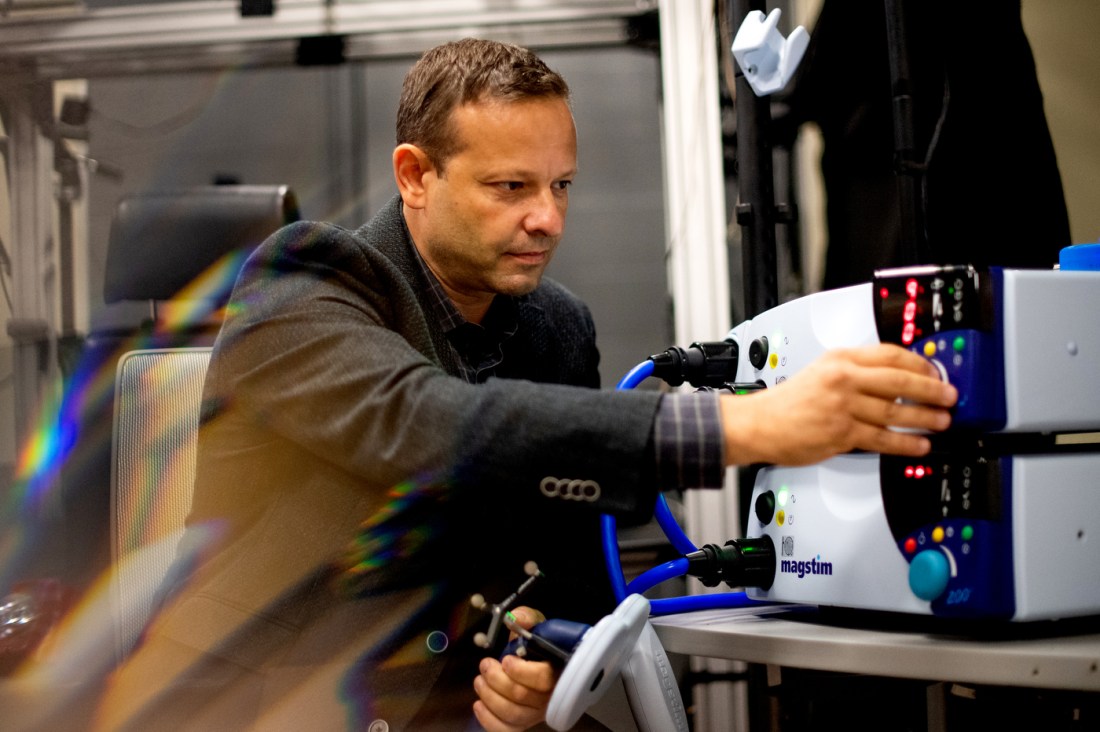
(909, 312)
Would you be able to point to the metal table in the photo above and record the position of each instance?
(1063, 655)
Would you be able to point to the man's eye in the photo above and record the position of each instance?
(562, 185)
(511, 185)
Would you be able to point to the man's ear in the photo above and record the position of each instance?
(411, 165)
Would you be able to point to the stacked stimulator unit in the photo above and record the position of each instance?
(1000, 519)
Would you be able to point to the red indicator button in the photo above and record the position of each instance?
(910, 545)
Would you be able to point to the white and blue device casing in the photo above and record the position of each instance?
(854, 532)
(1033, 369)
(620, 643)
(839, 541)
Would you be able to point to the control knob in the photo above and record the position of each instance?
(928, 574)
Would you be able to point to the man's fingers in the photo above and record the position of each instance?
(896, 413)
(536, 675)
(895, 371)
(527, 683)
(528, 617)
(871, 438)
(492, 723)
(894, 383)
(504, 708)
(517, 691)
(887, 354)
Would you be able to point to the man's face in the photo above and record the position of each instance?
(495, 214)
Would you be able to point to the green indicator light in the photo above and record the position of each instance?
(959, 343)
(782, 496)
(968, 533)
(950, 290)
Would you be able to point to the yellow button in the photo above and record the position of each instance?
(780, 517)
(773, 360)
(937, 534)
(929, 349)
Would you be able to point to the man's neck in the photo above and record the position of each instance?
(473, 309)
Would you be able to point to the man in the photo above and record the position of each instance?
(389, 413)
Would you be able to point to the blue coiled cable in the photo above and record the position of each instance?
(677, 567)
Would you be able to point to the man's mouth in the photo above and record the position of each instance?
(531, 257)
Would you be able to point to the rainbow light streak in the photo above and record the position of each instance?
(152, 512)
(200, 300)
(82, 650)
(391, 533)
(72, 427)
(399, 653)
(38, 467)
(92, 384)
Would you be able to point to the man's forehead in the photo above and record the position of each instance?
(485, 108)
(478, 125)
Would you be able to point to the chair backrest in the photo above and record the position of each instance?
(162, 240)
(158, 394)
(184, 245)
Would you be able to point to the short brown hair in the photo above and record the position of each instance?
(466, 71)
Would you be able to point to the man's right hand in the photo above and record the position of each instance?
(513, 694)
(848, 399)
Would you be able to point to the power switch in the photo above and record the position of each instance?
(765, 507)
(758, 352)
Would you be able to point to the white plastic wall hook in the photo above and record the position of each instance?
(767, 60)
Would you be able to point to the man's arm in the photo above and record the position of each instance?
(846, 400)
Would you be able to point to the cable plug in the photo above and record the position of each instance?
(702, 364)
(748, 562)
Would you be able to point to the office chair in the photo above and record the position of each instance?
(158, 393)
(171, 261)
(128, 470)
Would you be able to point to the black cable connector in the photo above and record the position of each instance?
(710, 364)
(746, 562)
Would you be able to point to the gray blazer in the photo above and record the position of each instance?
(362, 491)
(330, 352)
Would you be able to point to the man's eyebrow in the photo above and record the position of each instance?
(519, 174)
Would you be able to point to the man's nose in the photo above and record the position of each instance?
(546, 216)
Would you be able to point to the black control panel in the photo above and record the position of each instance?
(912, 303)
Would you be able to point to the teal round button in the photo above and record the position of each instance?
(928, 574)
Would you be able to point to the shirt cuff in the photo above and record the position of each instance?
(687, 435)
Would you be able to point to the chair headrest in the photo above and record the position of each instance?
(161, 241)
